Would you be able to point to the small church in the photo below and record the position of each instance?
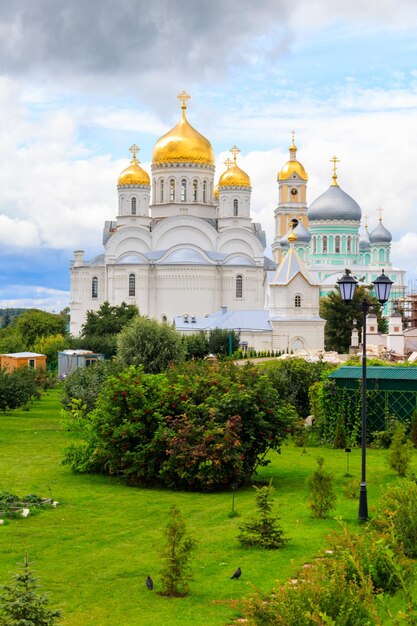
(185, 250)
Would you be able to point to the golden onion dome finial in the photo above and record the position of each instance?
(134, 149)
(292, 237)
(183, 144)
(134, 174)
(380, 211)
(366, 220)
(293, 147)
(334, 160)
(235, 151)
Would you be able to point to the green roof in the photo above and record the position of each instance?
(380, 372)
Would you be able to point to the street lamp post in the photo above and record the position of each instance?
(347, 285)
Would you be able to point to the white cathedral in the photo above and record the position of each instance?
(186, 251)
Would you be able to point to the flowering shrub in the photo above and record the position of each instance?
(197, 426)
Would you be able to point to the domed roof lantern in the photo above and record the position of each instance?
(364, 243)
(334, 204)
(234, 176)
(380, 234)
(292, 166)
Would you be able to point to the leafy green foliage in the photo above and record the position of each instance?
(35, 324)
(50, 346)
(86, 383)
(400, 451)
(293, 378)
(339, 316)
(198, 426)
(371, 555)
(413, 430)
(19, 386)
(149, 343)
(263, 531)
(322, 494)
(196, 346)
(321, 594)
(340, 433)
(176, 571)
(21, 605)
(397, 515)
(101, 327)
(220, 341)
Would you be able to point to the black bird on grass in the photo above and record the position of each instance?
(149, 583)
(237, 574)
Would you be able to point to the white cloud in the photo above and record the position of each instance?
(36, 297)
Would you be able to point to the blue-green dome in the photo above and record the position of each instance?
(364, 241)
(380, 235)
(334, 204)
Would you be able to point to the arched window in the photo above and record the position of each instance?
(239, 286)
(314, 245)
(325, 244)
(183, 190)
(235, 207)
(162, 191)
(195, 192)
(133, 206)
(94, 287)
(337, 244)
(205, 191)
(297, 301)
(172, 190)
(381, 255)
(349, 244)
(132, 285)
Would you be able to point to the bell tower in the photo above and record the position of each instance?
(292, 199)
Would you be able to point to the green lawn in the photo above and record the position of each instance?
(95, 550)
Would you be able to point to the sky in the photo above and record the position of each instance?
(82, 81)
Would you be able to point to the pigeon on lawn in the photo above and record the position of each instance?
(237, 573)
(149, 583)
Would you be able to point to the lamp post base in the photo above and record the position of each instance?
(363, 504)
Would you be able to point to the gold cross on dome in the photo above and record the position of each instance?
(366, 220)
(235, 151)
(380, 211)
(228, 163)
(184, 97)
(134, 149)
(334, 160)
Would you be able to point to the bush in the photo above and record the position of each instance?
(19, 386)
(85, 384)
(400, 451)
(322, 495)
(199, 426)
(340, 433)
(322, 594)
(263, 531)
(176, 572)
(397, 515)
(413, 430)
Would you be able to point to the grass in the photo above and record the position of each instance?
(94, 551)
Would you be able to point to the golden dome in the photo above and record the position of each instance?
(134, 174)
(216, 192)
(292, 166)
(183, 144)
(234, 176)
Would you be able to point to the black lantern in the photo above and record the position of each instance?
(382, 287)
(347, 285)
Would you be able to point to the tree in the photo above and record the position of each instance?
(34, 324)
(322, 495)
(176, 572)
(263, 531)
(149, 343)
(339, 316)
(50, 346)
(196, 345)
(99, 333)
(400, 451)
(20, 604)
(220, 341)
